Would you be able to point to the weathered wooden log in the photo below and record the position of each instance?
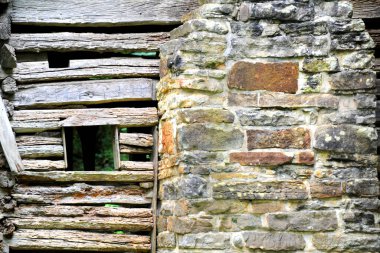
(84, 92)
(376, 67)
(34, 140)
(375, 35)
(106, 68)
(29, 121)
(136, 139)
(126, 149)
(28, 239)
(131, 166)
(41, 151)
(86, 176)
(64, 42)
(84, 194)
(366, 8)
(43, 165)
(86, 12)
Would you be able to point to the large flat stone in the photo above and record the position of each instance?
(286, 138)
(274, 241)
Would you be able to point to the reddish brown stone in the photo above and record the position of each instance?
(327, 189)
(287, 138)
(304, 157)
(260, 158)
(167, 140)
(278, 77)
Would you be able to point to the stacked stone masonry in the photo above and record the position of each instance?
(267, 135)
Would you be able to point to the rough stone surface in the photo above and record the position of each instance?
(353, 80)
(9, 86)
(288, 138)
(8, 57)
(278, 77)
(274, 241)
(261, 158)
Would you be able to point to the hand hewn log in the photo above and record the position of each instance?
(84, 92)
(64, 42)
(366, 8)
(33, 140)
(43, 165)
(126, 149)
(29, 121)
(131, 166)
(136, 139)
(29, 72)
(37, 240)
(41, 151)
(86, 12)
(86, 176)
(76, 194)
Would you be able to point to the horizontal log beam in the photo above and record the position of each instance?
(81, 194)
(25, 239)
(375, 34)
(84, 92)
(30, 121)
(125, 149)
(87, 176)
(33, 140)
(66, 42)
(136, 139)
(41, 151)
(43, 165)
(113, 12)
(366, 8)
(106, 68)
(132, 166)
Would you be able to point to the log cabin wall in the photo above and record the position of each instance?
(81, 65)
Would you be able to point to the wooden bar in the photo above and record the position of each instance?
(41, 151)
(36, 240)
(125, 149)
(98, 42)
(136, 139)
(155, 190)
(87, 176)
(43, 165)
(84, 92)
(136, 166)
(8, 141)
(31, 121)
(81, 194)
(100, 13)
(106, 68)
(34, 140)
(366, 8)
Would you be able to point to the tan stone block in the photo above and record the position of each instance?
(167, 140)
(326, 189)
(260, 158)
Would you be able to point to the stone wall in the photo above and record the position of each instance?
(267, 134)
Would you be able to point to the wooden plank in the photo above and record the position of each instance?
(155, 189)
(132, 166)
(376, 67)
(86, 13)
(84, 92)
(87, 176)
(8, 141)
(28, 239)
(366, 8)
(99, 42)
(43, 165)
(375, 34)
(136, 139)
(106, 68)
(41, 151)
(30, 121)
(81, 194)
(125, 149)
(35, 140)
(116, 149)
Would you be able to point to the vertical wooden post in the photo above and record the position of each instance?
(155, 189)
(116, 149)
(8, 141)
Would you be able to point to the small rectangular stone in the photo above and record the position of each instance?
(286, 138)
(213, 115)
(277, 77)
(217, 241)
(260, 158)
(257, 117)
(303, 221)
(326, 189)
(280, 100)
(347, 242)
(353, 80)
(304, 157)
(363, 188)
(269, 190)
(274, 241)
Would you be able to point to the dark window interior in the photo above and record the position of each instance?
(58, 60)
(90, 148)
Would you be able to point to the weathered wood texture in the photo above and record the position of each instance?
(29, 72)
(29, 121)
(130, 165)
(136, 139)
(25, 239)
(81, 194)
(84, 92)
(65, 42)
(41, 151)
(8, 141)
(87, 176)
(375, 34)
(100, 13)
(34, 140)
(43, 165)
(366, 8)
(125, 149)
